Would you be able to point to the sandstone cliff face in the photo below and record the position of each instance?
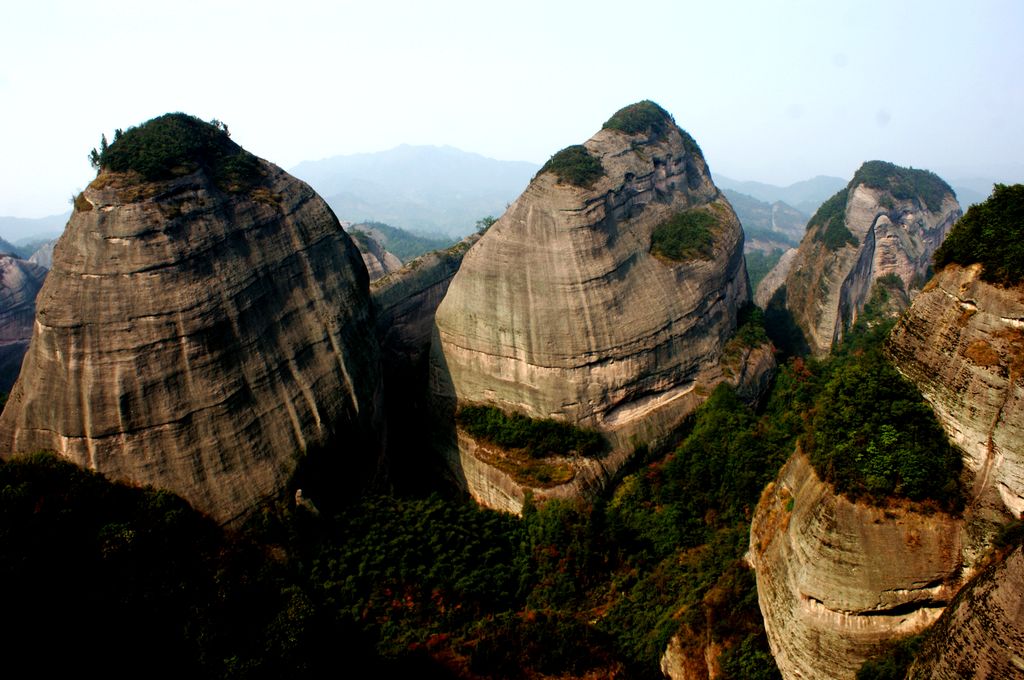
(379, 262)
(895, 233)
(407, 299)
(200, 340)
(20, 282)
(981, 635)
(836, 578)
(562, 311)
(962, 343)
(775, 279)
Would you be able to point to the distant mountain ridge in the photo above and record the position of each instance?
(767, 225)
(806, 196)
(418, 188)
(17, 229)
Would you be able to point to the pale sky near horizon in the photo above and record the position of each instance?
(773, 91)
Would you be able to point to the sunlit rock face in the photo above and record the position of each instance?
(981, 635)
(201, 340)
(835, 579)
(962, 343)
(893, 230)
(562, 311)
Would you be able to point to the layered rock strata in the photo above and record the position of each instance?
(962, 343)
(873, 228)
(201, 339)
(835, 579)
(562, 311)
(20, 282)
(981, 635)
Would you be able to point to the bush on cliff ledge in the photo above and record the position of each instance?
(685, 236)
(537, 437)
(575, 165)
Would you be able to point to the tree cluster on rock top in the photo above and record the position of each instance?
(175, 144)
(991, 233)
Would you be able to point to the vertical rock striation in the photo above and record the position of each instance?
(888, 221)
(200, 331)
(563, 311)
(20, 282)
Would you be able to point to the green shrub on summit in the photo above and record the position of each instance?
(640, 117)
(903, 183)
(175, 144)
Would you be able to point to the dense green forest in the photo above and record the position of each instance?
(991, 233)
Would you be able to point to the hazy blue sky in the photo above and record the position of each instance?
(772, 91)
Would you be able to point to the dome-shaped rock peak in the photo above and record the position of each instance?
(601, 300)
(206, 321)
(885, 225)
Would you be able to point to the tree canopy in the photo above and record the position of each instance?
(991, 233)
(175, 144)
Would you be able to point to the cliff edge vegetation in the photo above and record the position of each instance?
(991, 233)
(176, 144)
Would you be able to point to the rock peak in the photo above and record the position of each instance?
(886, 222)
(647, 118)
(177, 144)
(602, 298)
(203, 329)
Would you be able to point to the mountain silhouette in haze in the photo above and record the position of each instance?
(437, 189)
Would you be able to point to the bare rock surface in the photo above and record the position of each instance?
(962, 343)
(981, 635)
(200, 340)
(774, 279)
(836, 578)
(20, 282)
(407, 299)
(895, 233)
(378, 260)
(562, 311)
(43, 256)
